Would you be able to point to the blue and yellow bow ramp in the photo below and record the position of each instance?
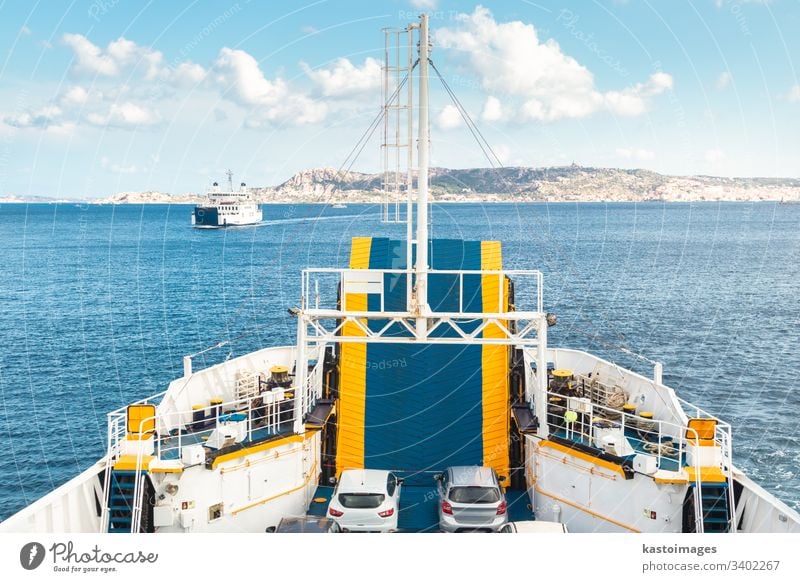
(422, 408)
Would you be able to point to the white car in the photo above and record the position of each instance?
(366, 500)
(471, 499)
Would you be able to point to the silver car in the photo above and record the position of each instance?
(471, 499)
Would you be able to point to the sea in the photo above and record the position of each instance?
(98, 305)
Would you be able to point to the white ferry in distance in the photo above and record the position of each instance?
(227, 207)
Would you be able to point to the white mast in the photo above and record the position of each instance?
(421, 267)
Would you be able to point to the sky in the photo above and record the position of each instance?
(115, 95)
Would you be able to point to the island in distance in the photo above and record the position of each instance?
(510, 184)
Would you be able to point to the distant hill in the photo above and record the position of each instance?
(520, 184)
(514, 184)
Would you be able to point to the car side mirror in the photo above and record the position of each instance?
(501, 478)
(271, 529)
(332, 480)
(438, 476)
(400, 480)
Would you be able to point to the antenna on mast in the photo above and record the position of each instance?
(230, 180)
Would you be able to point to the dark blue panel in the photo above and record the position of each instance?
(394, 288)
(423, 405)
(423, 408)
(444, 290)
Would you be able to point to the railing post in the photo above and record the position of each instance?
(300, 375)
(540, 395)
(250, 418)
(658, 445)
(658, 372)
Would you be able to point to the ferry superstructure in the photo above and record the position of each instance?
(421, 354)
(227, 207)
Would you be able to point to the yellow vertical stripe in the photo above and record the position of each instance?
(495, 365)
(353, 376)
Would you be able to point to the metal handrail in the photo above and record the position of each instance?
(306, 287)
(117, 430)
(685, 434)
(700, 413)
(122, 410)
(621, 424)
(724, 436)
(273, 411)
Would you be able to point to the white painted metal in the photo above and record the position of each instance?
(421, 267)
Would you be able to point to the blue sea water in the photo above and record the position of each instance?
(99, 303)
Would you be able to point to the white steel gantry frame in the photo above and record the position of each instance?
(318, 326)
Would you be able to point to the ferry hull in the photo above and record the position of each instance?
(205, 217)
(209, 217)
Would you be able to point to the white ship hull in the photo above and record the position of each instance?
(260, 487)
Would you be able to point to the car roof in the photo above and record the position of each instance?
(472, 476)
(363, 480)
(307, 524)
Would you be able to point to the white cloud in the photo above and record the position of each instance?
(124, 115)
(492, 109)
(794, 94)
(424, 4)
(510, 59)
(151, 83)
(633, 100)
(344, 79)
(269, 101)
(188, 73)
(77, 96)
(89, 58)
(714, 156)
(123, 55)
(40, 118)
(635, 153)
(247, 84)
(294, 110)
(49, 119)
(25, 31)
(723, 81)
(448, 118)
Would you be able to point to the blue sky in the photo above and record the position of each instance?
(112, 95)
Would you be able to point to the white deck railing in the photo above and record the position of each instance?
(267, 414)
(321, 286)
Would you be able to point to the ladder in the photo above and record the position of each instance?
(121, 500)
(398, 126)
(714, 507)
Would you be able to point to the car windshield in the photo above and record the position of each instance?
(361, 500)
(474, 495)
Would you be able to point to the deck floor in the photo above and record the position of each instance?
(170, 450)
(418, 507)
